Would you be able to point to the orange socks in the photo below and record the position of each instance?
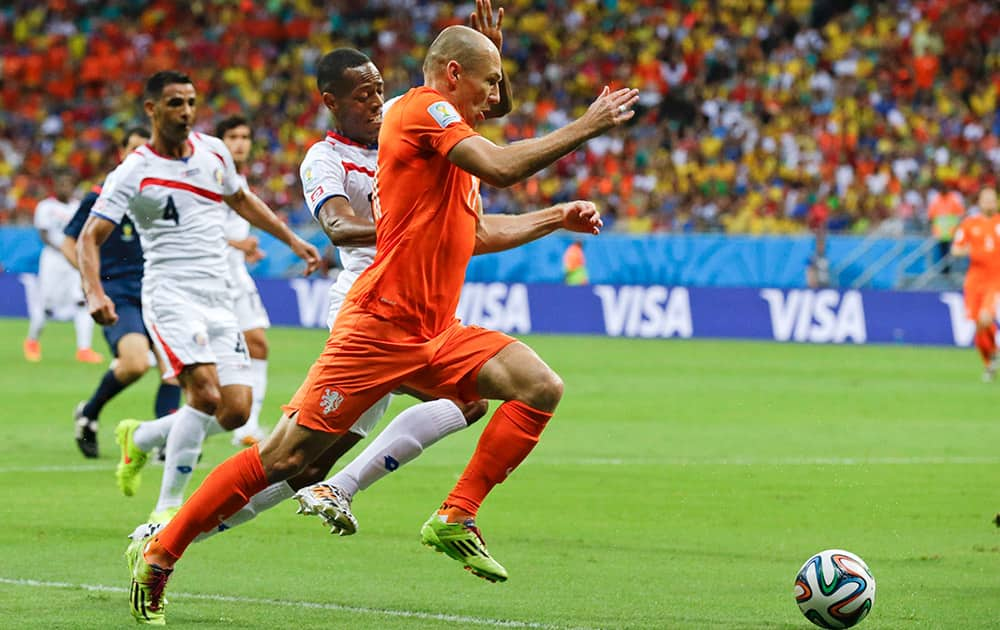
(508, 438)
(226, 489)
(986, 343)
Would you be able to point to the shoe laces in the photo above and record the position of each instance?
(470, 524)
(157, 582)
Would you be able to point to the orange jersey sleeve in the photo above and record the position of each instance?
(426, 214)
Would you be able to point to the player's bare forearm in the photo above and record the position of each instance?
(250, 207)
(342, 226)
(499, 232)
(68, 249)
(95, 231)
(506, 103)
(504, 166)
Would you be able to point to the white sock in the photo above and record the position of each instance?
(258, 387)
(402, 441)
(263, 500)
(84, 328)
(183, 446)
(153, 433)
(36, 317)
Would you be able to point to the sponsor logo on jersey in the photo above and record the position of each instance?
(308, 174)
(444, 113)
(330, 401)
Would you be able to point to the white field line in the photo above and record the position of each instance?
(645, 461)
(409, 614)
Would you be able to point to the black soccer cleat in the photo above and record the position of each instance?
(996, 519)
(86, 432)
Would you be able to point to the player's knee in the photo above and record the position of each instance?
(287, 466)
(232, 418)
(129, 367)
(204, 397)
(545, 392)
(257, 347)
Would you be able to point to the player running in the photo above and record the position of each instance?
(176, 190)
(397, 325)
(59, 294)
(337, 176)
(978, 237)
(121, 277)
(236, 133)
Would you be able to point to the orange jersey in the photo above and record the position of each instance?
(426, 214)
(981, 236)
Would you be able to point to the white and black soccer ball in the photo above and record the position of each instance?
(835, 589)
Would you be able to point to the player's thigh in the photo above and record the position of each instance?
(462, 353)
(291, 447)
(518, 373)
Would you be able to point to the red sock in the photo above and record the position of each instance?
(508, 438)
(985, 341)
(226, 489)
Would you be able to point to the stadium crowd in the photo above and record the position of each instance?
(756, 117)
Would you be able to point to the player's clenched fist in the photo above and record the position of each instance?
(582, 216)
(102, 310)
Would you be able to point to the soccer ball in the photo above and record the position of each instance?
(835, 589)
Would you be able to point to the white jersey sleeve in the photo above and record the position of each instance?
(118, 190)
(323, 176)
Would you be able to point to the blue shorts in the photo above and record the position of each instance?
(129, 321)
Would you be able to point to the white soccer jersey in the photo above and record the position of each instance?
(52, 216)
(337, 166)
(177, 208)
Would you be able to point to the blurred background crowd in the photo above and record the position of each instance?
(756, 117)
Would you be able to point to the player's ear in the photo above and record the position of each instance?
(330, 101)
(452, 71)
(149, 106)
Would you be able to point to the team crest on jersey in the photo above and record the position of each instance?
(331, 401)
(444, 113)
(200, 338)
(218, 176)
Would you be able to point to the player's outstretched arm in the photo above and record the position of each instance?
(483, 21)
(343, 226)
(250, 207)
(497, 232)
(95, 231)
(504, 166)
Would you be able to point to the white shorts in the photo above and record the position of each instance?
(196, 324)
(250, 311)
(338, 290)
(59, 285)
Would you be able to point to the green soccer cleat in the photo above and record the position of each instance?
(462, 542)
(146, 597)
(163, 516)
(132, 460)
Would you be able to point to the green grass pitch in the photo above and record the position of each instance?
(680, 485)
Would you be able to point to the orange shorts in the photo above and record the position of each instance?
(367, 357)
(978, 299)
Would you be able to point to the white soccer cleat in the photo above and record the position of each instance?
(331, 504)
